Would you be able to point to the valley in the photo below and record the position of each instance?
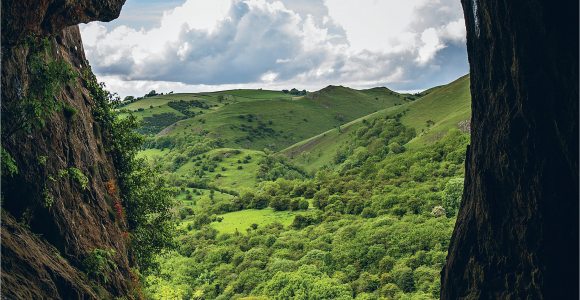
(336, 194)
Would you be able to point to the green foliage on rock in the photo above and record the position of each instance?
(144, 194)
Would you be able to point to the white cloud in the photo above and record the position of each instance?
(374, 25)
(431, 44)
(263, 43)
(269, 76)
(454, 31)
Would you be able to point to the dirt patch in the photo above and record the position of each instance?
(167, 130)
(306, 147)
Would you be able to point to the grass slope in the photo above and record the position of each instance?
(232, 177)
(445, 105)
(286, 122)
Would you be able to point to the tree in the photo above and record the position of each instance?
(151, 94)
(280, 203)
(452, 195)
(261, 201)
(220, 98)
(303, 204)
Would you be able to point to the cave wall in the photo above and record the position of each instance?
(46, 261)
(516, 235)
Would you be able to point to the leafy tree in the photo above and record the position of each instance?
(200, 220)
(151, 94)
(452, 195)
(303, 204)
(305, 283)
(260, 201)
(404, 278)
(280, 203)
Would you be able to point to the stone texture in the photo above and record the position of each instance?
(516, 235)
(48, 17)
(46, 261)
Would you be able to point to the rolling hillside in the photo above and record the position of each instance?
(278, 124)
(445, 106)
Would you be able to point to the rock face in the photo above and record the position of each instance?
(45, 262)
(49, 17)
(516, 235)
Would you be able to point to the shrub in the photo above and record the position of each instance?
(69, 111)
(200, 220)
(303, 204)
(294, 204)
(98, 262)
(261, 201)
(368, 213)
(452, 195)
(280, 203)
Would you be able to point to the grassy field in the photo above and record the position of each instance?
(218, 196)
(231, 177)
(241, 220)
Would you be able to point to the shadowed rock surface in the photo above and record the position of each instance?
(516, 235)
(48, 17)
(46, 261)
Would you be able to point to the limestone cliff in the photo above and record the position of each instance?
(46, 261)
(516, 235)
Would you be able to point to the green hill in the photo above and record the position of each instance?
(278, 124)
(444, 107)
(362, 210)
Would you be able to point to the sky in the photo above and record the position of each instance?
(211, 45)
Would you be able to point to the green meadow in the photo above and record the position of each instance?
(241, 220)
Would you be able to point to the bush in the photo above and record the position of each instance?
(270, 241)
(368, 213)
(280, 203)
(261, 201)
(303, 204)
(200, 220)
(294, 204)
(69, 111)
(452, 195)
